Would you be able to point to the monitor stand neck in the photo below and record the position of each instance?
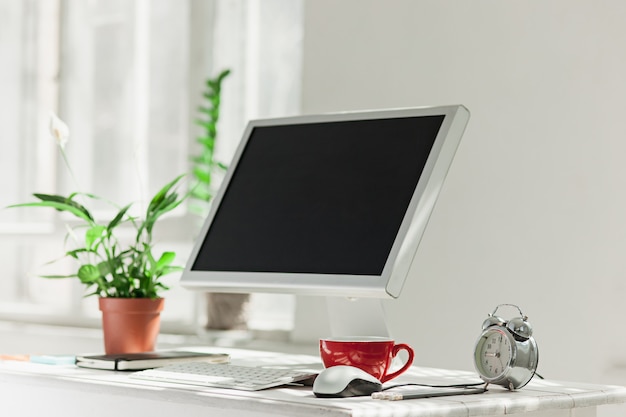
(357, 317)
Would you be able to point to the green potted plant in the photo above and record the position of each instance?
(126, 276)
(206, 168)
(225, 311)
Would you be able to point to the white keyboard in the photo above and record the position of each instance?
(249, 378)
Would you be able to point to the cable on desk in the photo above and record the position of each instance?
(408, 384)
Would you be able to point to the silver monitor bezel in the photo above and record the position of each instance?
(404, 248)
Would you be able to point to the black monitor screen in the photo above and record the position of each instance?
(325, 198)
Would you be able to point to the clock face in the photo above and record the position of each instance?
(493, 353)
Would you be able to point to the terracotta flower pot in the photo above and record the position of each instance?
(130, 324)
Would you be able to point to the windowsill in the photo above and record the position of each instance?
(20, 338)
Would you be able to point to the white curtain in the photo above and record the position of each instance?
(127, 77)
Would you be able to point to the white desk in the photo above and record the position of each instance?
(28, 389)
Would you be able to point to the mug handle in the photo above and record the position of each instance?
(397, 348)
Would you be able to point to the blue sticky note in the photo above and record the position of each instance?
(53, 359)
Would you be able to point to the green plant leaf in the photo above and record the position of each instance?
(107, 267)
(201, 194)
(162, 193)
(74, 253)
(58, 276)
(165, 259)
(223, 75)
(96, 292)
(197, 159)
(61, 207)
(118, 218)
(88, 274)
(207, 143)
(210, 124)
(66, 200)
(94, 234)
(164, 201)
(169, 269)
(202, 175)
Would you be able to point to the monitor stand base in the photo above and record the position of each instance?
(357, 317)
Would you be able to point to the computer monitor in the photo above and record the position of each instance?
(332, 205)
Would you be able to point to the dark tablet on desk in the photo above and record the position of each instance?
(147, 360)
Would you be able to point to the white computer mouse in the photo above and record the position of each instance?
(345, 381)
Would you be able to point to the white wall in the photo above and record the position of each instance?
(534, 208)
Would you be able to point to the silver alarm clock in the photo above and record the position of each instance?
(506, 353)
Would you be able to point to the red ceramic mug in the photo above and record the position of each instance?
(374, 355)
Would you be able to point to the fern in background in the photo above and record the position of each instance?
(205, 167)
